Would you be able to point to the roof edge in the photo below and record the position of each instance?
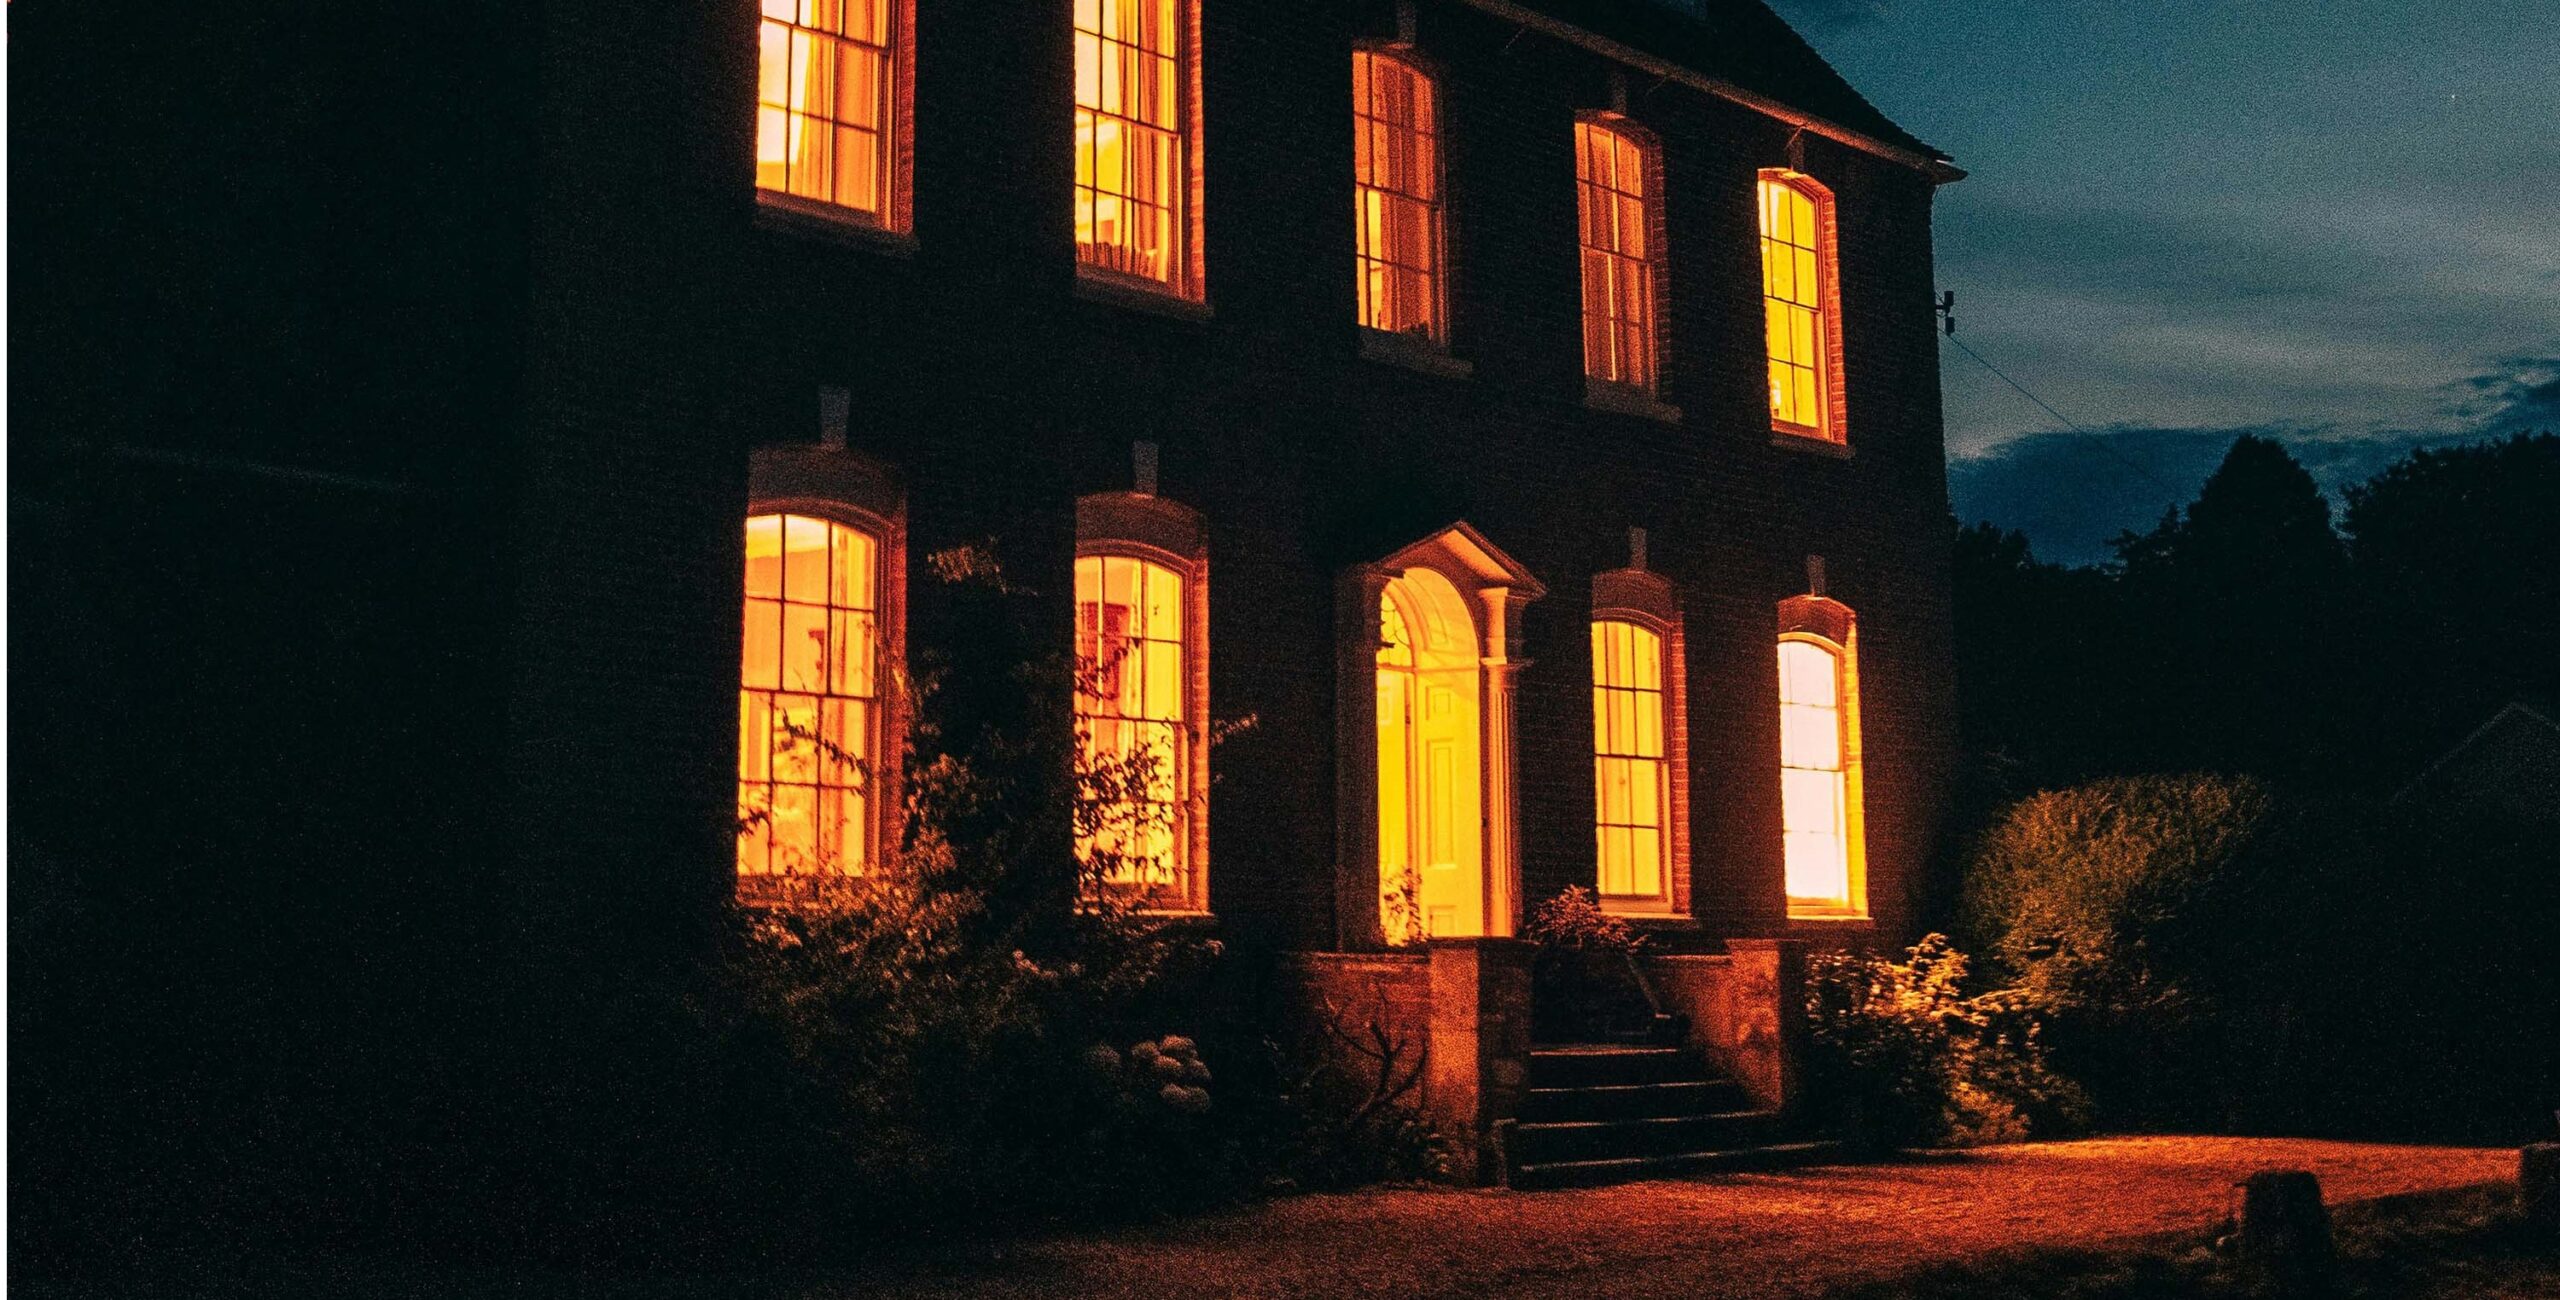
(1938, 169)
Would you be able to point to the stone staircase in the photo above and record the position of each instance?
(1608, 1113)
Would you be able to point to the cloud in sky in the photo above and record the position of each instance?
(2072, 495)
(2329, 220)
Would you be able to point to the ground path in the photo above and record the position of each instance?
(1784, 1235)
(1787, 1234)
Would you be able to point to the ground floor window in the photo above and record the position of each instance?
(1142, 699)
(1819, 770)
(809, 726)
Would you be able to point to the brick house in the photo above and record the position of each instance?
(451, 425)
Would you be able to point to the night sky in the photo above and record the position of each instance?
(2337, 223)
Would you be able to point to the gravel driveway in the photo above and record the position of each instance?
(1786, 1234)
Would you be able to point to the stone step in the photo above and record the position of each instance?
(1666, 1135)
(1634, 1100)
(1594, 1173)
(1597, 1065)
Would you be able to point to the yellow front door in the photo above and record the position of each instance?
(1430, 772)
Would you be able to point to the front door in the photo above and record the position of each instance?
(1430, 805)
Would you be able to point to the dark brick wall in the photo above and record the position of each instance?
(387, 378)
(1001, 394)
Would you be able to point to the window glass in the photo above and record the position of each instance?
(824, 103)
(1792, 303)
(1618, 263)
(1132, 688)
(1397, 224)
(808, 706)
(1132, 169)
(1630, 768)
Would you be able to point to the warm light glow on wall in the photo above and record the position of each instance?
(1618, 257)
(808, 697)
(824, 103)
(1627, 740)
(1795, 290)
(1396, 196)
(1815, 769)
(1132, 138)
(1132, 683)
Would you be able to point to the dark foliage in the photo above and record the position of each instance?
(2369, 956)
(1584, 974)
(1903, 1054)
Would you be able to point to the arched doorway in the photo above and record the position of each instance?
(1431, 877)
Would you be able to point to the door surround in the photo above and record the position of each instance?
(1489, 589)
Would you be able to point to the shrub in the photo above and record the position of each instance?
(1584, 977)
(1899, 1055)
(2120, 908)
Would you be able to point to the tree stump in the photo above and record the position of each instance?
(2538, 1173)
(2283, 1240)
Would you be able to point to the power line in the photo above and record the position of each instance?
(2047, 407)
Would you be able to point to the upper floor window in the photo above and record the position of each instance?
(809, 701)
(1134, 139)
(1141, 700)
(1799, 287)
(1821, 783)
(1620, 260)
(1396, 201)
(828, 102)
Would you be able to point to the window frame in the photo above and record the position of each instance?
(1138, 526)
(1651, 601)
(1830, 625)
(888, 706)
(896, 151)
(1655, 262)
(1187, 265)
(1830, 383)
(1404, 55)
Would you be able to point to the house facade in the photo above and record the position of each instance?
(467, 486)
(1569, 513)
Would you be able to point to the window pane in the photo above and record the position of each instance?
(1807, 673)
(1812, 800)
(821, 650)
(761, 656)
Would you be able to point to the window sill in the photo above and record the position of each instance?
(1626, 399)
(825, 221)
(1812, 444)
(1648, 917)
(1137, 295)
(1413, 352)
(1829, 918)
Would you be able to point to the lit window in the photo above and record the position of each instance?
(1618, 256)
(1133, 139)
(1798, 294)
(1629, 745)
(1817, 770)
(1397, 215)
(808, 698)
(826, 103)
(1133, 721)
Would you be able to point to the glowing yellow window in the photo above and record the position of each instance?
(1131, 685)
(1132, 139)
(1618, 258)
(1628, 747)
(1816, 764)
(1796, 293)
(826, 103)
(808, 698)
(1396, 196)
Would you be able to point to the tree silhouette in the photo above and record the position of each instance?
(2236, 601)
(2456, 555)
